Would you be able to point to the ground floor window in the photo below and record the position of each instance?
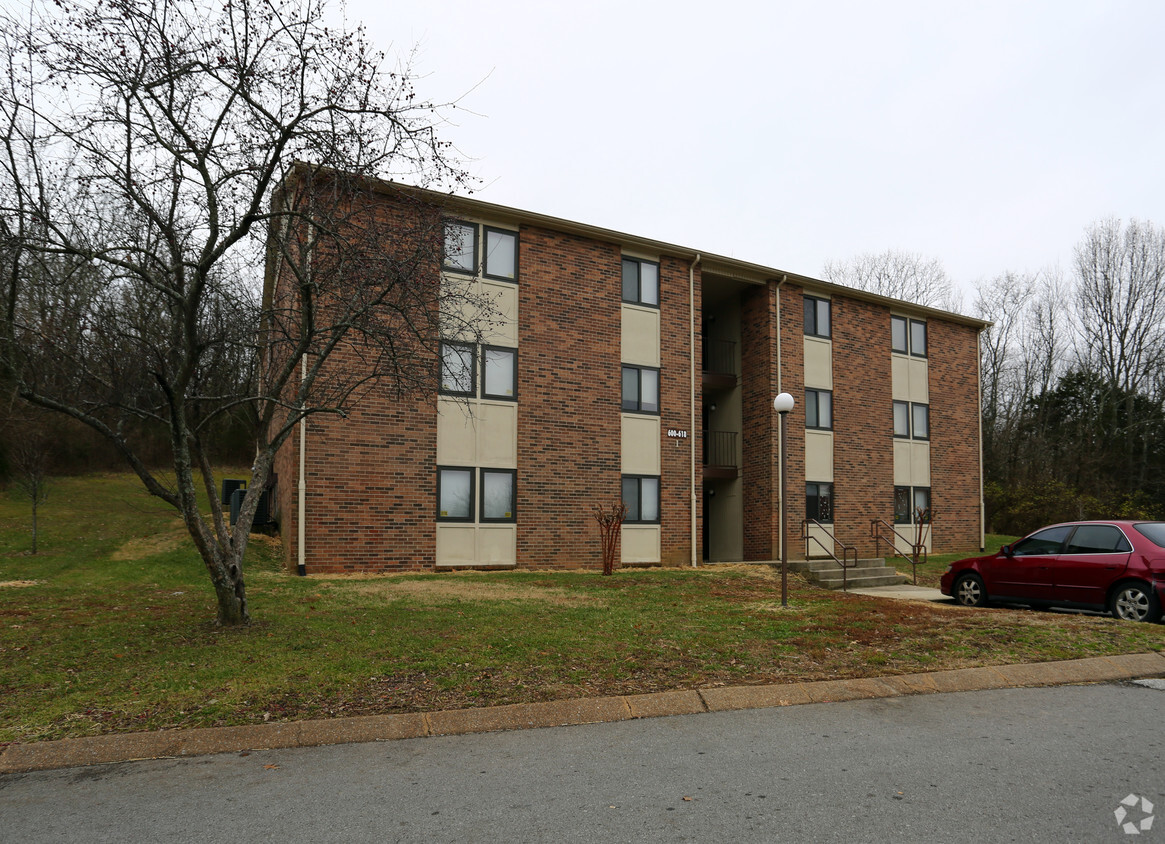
(910, 503)
(641, 497)
(458, 494)
(819, 502)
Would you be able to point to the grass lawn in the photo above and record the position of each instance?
(111, 629)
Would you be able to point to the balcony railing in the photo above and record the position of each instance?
(720, 357)
(720, 449)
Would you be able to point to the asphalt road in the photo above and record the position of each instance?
(1043, 764)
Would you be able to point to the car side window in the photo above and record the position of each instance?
(1098, 539)
(1048, 541)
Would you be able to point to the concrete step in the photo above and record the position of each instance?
(862, 581)
(826, 564)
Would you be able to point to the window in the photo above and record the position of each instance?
(899, 336)
(911, 420)
(819, 409)
(501, 254)
(920, 421)
(909, 502)
(908, 336)
(1048, 541)
(460, 247)
(918, 338)
(817, 317)
(458, 369)
(500, 258)
(902, 419)
(819, 502)
(454, 494)
(1098, 539)
(640, 282)
(640, 389)
(497, 494)
(641, 497)
(499, 373)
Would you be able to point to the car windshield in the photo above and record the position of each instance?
(1152, 531)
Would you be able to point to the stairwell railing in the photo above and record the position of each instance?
(843, 562)
(882, 531)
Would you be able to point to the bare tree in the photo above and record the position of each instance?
(28, 451)
(900, 275)
(161, 153)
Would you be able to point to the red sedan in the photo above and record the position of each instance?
(1116, 566)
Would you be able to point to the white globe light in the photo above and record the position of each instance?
(783, 403)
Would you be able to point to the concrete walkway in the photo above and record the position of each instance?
(905, 591)
(68, 753)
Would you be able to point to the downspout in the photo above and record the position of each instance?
(979, 411)
(780, 383)
(692, 394)
(301, 566)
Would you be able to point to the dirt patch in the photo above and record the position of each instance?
(445, 591)
(17, 584)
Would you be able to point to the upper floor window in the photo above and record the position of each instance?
(911, 420)
(819, 409)
(640, 389)
(641, 282)
(499, 372)
(499, 258)
(501, 254)
(817, 317)
(460, 247)
(908, 336)
(460, 366)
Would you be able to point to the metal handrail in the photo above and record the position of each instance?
(844, 562)
(719, 356)
(916, 548)
(720, 449)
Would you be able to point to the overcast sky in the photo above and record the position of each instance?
(988, 135)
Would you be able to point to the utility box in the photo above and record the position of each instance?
(262, 512)
(229, 485)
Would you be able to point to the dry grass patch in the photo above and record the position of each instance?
(17, 584)
(449, 591)
(148, 546)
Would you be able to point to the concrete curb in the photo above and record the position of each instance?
(94, 750)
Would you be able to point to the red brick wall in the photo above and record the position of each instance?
(792, 382)
(569, 393)
(676, 359)
(758, 360)
(863, 433)
(954, 435)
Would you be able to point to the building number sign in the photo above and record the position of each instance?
(677, 434)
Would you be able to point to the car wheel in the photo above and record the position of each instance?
(969, 591)
(1135, 602)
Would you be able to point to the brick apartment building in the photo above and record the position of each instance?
(626, 367)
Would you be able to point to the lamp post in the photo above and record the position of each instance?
(782, 404)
